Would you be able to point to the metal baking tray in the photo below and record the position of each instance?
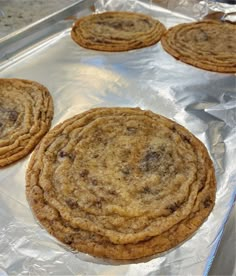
(79, 79)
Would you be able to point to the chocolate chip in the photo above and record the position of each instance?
(202, 184)
(13, 115)
(98, 204)
(101, 23)
(68, 239)
(1, 124)
(99, 139)
(150, 161)
(63, 154)
(84, 173)
(173, 207)
(72, 203)
(112, 192)
(147, 190)
(125, 171)
(126, 152)
(40, 115)
(207, 202)
(146, 21)
(173, 128)
(186, 139)
(129, 24)
(94, 182)
(152, 156)
(104, 143)
(204, 36)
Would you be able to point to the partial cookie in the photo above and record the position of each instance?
(117, 31)
(120, 183)
(26, 111)
(209, 45)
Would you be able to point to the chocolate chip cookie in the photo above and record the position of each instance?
(26, 111)
(120, 183)
(209, 45)
(117, 31)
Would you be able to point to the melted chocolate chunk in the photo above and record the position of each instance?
(146, 21)
(115, 25)
(13, 115)
(98, 204)
(68, 239)
(207, 202)
(35, 201)
(100, 23)
(105, 142)
(173, 128)
(64, 154)
(151, 161)
(125, 171)
(99, 138)
(202, 184)
(1, 124)
(40, 115)
(186, 139)
(84, 173)
(147, 190)
(129, 24)
(112, 192)
(173, 207)
(94, 182)
(72, 203)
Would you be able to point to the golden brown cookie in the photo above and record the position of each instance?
(120, 183)
(209, 45)
(26, 111)
(117, 31)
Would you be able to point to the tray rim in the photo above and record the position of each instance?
(24, 34)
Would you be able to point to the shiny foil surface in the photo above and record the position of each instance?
(79, 79)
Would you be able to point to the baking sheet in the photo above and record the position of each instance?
(79, 79)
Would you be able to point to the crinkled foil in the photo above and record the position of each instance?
(79, 79)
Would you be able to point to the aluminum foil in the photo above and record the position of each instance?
(227, 9)
(79, 79)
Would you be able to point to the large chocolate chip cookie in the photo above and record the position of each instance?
(120, 183)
